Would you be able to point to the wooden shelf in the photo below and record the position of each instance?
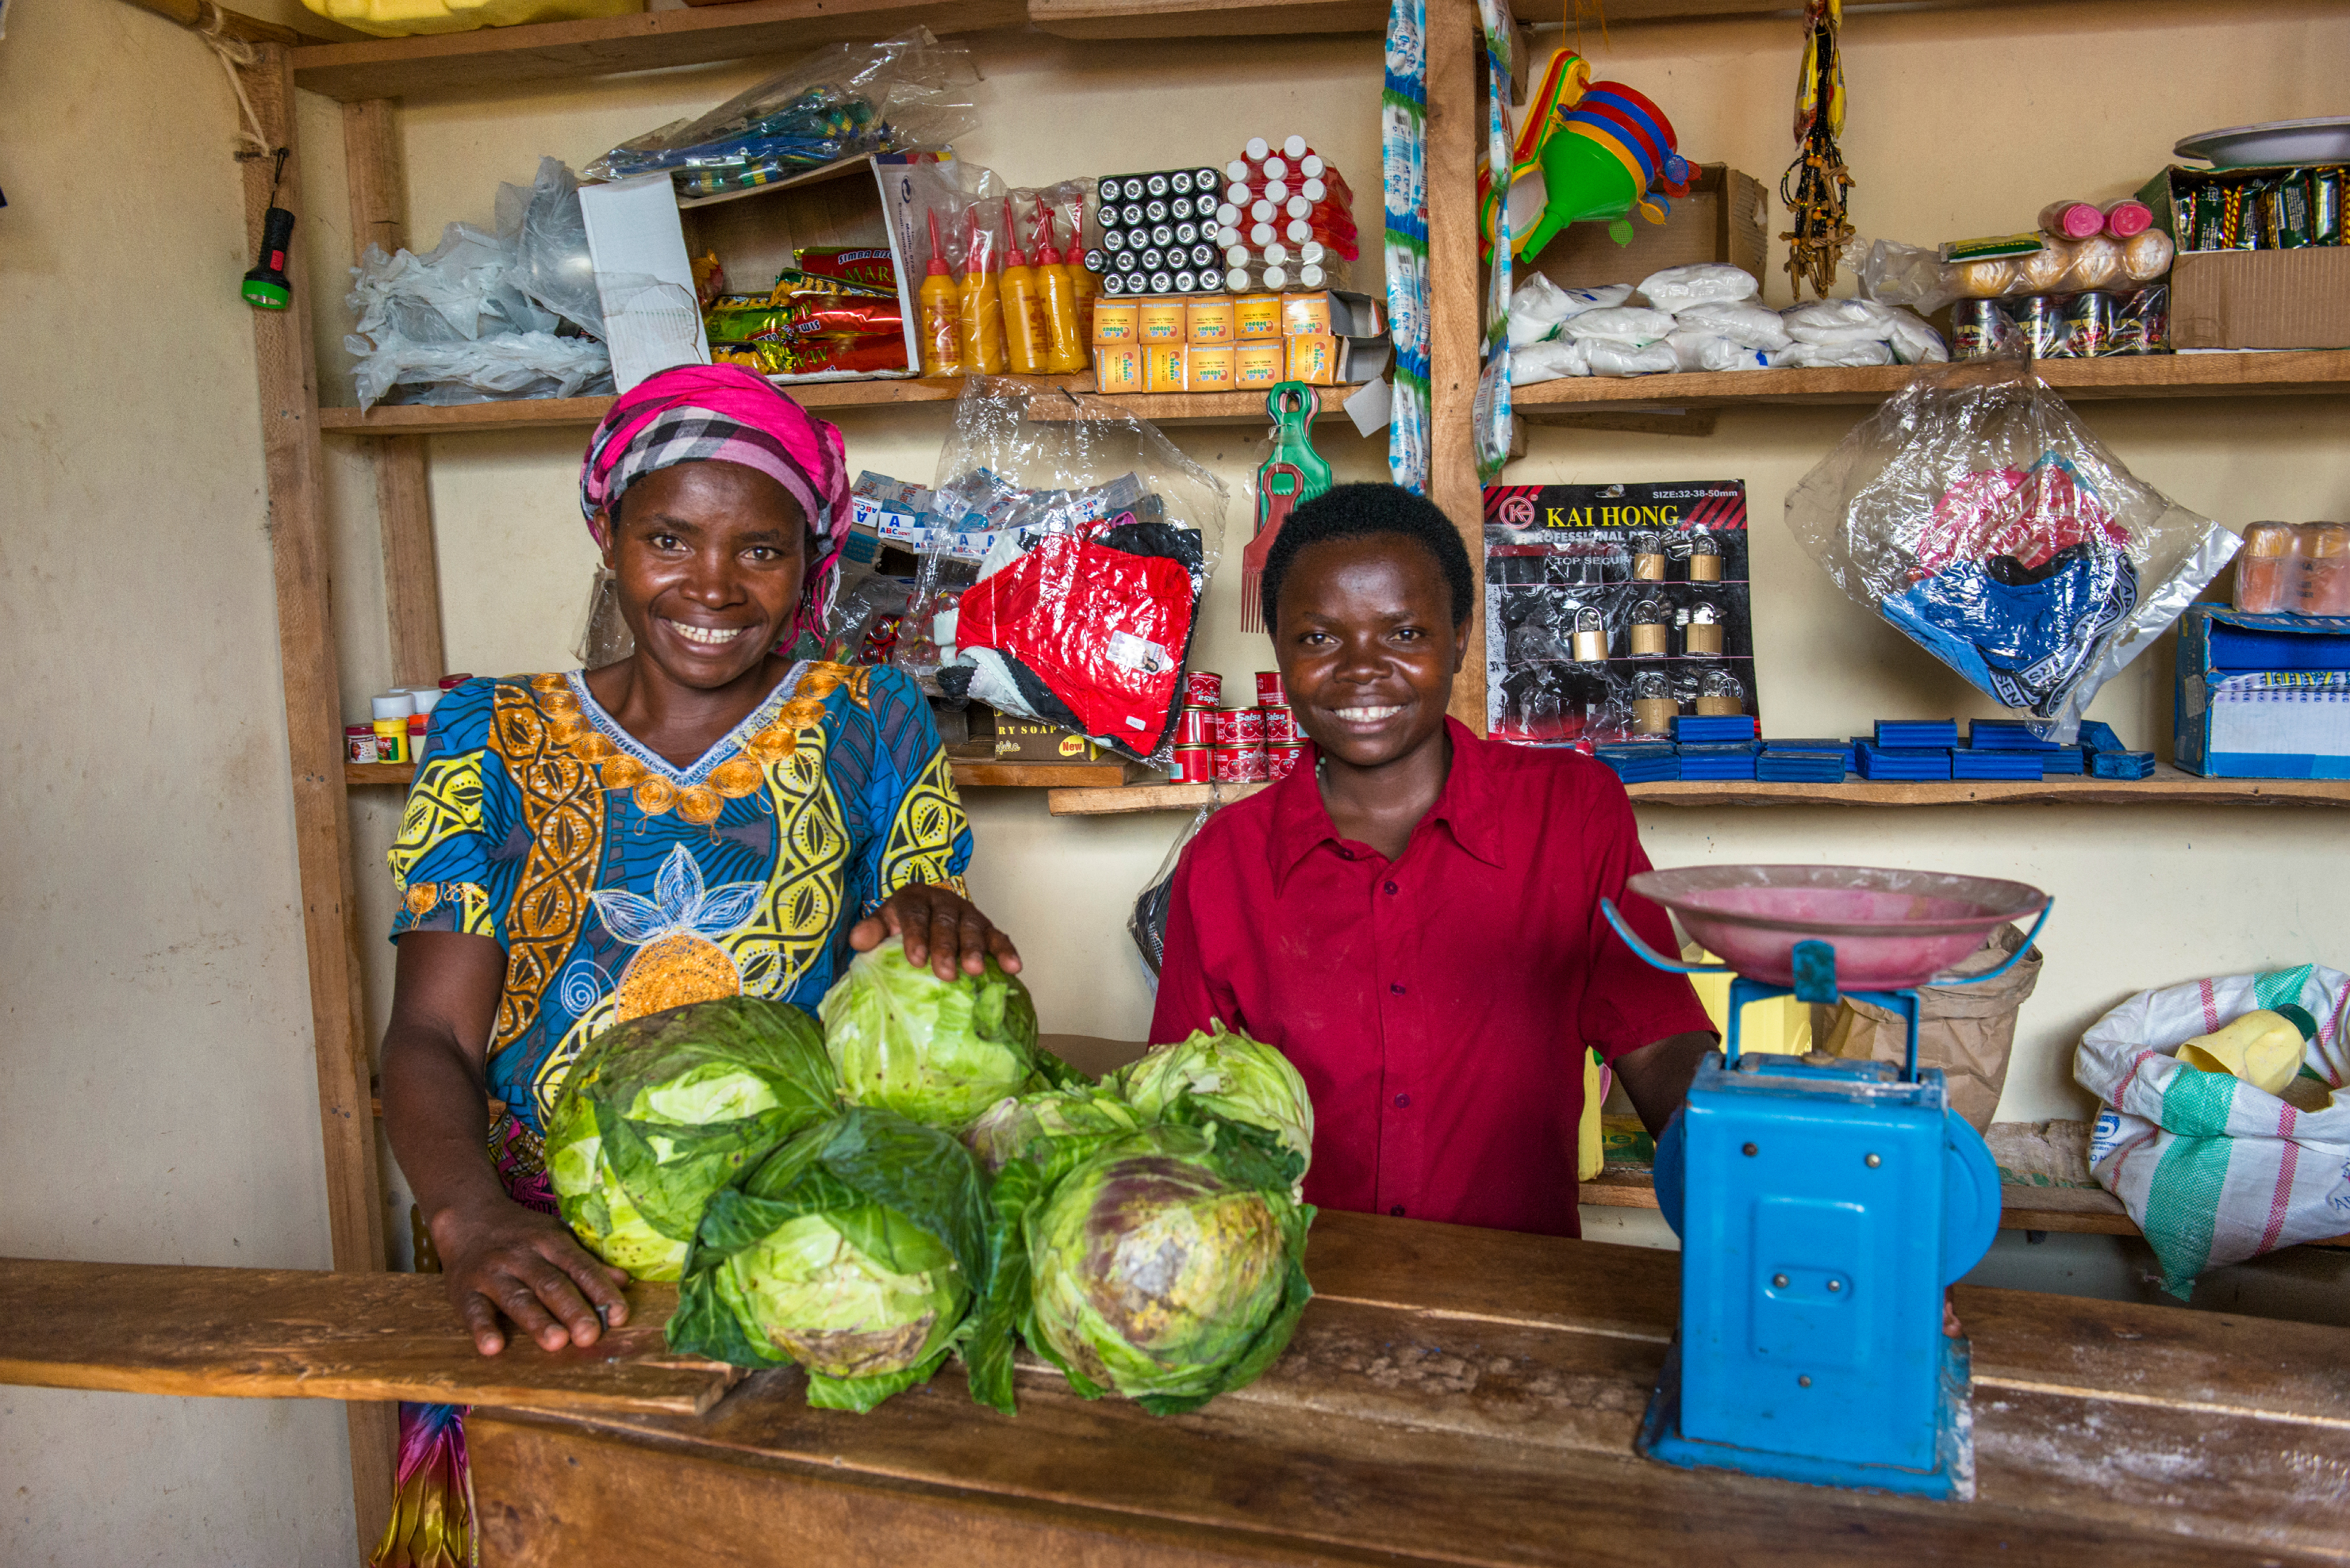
(2168, 787)
(1087, 777)
(825, 396)
(2090, 1211)
(2323, 371)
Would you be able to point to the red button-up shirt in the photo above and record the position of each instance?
(1437, 1005)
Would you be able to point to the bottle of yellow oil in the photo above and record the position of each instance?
(1064, 340)
(981, 308)
(940, 306)
(1022, 309)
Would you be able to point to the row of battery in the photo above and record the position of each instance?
(1186, 231)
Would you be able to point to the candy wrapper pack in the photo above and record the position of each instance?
(1070, 543)
(1974, 512)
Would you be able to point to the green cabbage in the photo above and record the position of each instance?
(857, 1250)
(1015, 1126)
(938, 1051)
(1167, 1265)
(662, 1112)
(1229, 1074)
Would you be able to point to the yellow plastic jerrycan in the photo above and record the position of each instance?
(401, 18)
(1781, 1025)
(2264, 1047)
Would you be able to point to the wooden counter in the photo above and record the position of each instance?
(1452, 1396)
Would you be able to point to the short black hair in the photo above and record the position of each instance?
(1364, 512)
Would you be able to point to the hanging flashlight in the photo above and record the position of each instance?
(266, 287)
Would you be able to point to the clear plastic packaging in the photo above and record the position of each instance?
(1744, 322)
(1547, 361)
(1609, 358)
(1540, 308)
(1621, 324)
(1974, 512)
(1147, 923)
(842, 101)
(1676, 288)
(1917, 276)
(552, 264)
(1070, 546)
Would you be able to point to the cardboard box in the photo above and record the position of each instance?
(1025, 740)
(1724, 218)
(2263, 696)
(643, 279)
(851, 202)
(2296, 298)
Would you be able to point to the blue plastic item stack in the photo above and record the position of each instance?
(2062, 761)
(1641, 762)
(2006, 735)
(1721, 761)
(1974, 763)
(1918, 734)
(2122, 765)
(1712, 729)
(1804, 762)
(1903, 763)
(2096, 735)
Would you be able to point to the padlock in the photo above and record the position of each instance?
(1653, 706)
(1704, 632)
(1590, 644)
(1649, 636)
(1648, 559)
(1705, 558)
(1720, 693)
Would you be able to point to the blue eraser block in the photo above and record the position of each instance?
(2064, 761)
(1715, 727)
(1879, 763)
(1778, 769)
(1939, 732)
(1717, 748)
(2122, 765)
(2005, 735)
(2099, 736)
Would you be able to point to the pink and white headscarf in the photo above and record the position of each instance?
(723, 413)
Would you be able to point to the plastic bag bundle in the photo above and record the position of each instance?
(1917, 278)
(1742, 322)
(1974, 512)
(1708, 283)
(480, 317)
(1070, 543)
(843, 101)
(1547, 361)
(1148, 922)
(1850, 354)
(1694, 349)
(1621, 324)
(1540, 306)
(1609, 358)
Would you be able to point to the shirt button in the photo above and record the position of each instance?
(1391, 887)
(1396, 1210)
(1403, 1100)
(1396, 988)
(1346, 854)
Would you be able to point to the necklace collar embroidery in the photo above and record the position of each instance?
(724, 747)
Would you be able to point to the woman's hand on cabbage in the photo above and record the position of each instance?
(940, 927)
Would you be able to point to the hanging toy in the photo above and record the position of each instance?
(1818, 176)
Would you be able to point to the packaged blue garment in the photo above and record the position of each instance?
(1974, 512)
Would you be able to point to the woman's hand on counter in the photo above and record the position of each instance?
(508, 1259)
(940, 928)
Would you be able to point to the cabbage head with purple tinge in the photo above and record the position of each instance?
(1168, 1265)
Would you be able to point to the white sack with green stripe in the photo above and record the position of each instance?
(2212, 1169)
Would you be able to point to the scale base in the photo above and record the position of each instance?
(1952, 1477)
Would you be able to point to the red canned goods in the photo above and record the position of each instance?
(1223, 727)
(1280, 727)
(1269, 692)
(1203, 688)
(1192, 764)
(1191, 727)
(1248, 726)
(1237, 764)
(1281, 761)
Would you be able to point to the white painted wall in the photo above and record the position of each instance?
(157, 1098)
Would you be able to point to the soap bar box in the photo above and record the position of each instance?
(2263, 696)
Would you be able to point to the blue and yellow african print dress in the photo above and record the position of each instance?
(620, 885)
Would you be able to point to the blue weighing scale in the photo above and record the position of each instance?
(1823, 1207)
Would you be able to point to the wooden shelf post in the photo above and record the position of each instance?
(1456, 123)
(314, 734)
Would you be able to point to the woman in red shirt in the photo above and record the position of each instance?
(1412, 916)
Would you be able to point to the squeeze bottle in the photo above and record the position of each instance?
(982, 311)
(1064, 341)
(942, 314)
(1024, 311)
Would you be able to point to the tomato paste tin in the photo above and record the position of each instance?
(1191, 727)
(1192, 764)
(1282, 760)
(1248, 726)
(1237, 764)
(1269, 692)
(1280, 727)
(1203, 688)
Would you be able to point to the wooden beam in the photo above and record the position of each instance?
(1456, 126)
(281, 1334)
(229, 24)
(314, 726)
(640, 41)
(1204, 19)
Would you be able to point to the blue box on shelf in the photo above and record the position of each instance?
(1708, 728)
(2263, 696)
(1905, 733)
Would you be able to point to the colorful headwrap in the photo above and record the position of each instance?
(723, 413)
